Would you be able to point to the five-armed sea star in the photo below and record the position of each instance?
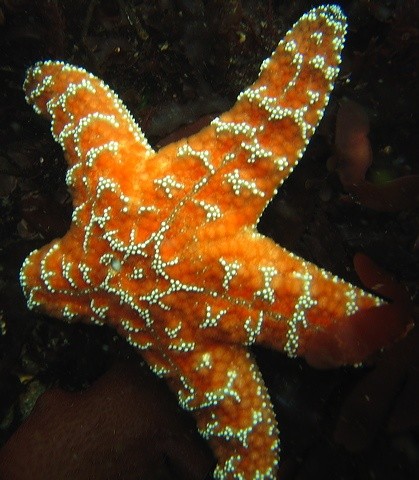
(164, 247)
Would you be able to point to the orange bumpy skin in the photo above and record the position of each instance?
(163, 245)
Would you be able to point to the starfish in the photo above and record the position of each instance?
(163, 245)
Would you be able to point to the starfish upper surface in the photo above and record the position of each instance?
(163, 245)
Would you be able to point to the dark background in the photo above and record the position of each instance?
(176, 64)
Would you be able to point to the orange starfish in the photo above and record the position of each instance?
(164, 246)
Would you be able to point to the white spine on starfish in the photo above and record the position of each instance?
(137, 273)
(210, 319)
(45, 83)
(313, 96)
(351, 306)
(267, 293)
(215, 397)
(142, 346)
(99, 311)
(76, 131)
(129, 327)
(173, 332)
(147, 208)
(299, 320)
(71, 174)
(230, 271)
(94, 152)
(160, 370)
(229, 468)
(290, 46)
(253, 331)
(68, 314)
(256, 151)
(205, 362)
(212, 211)
(75, 216)
(85, 270)
(241, 434)
(66, 270)
(235, 128)
(71, 129)
(103, 185)
(182, 346)
(318, 37)
(278, 112)
(203, 155)
(169, 184)
(46, 274)
(237, 183)
(281, 163)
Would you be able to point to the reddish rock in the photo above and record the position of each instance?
(125, 426)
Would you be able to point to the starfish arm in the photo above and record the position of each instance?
(60, 280)
(223, 388)
(100, 138)
(249, 151)
(254, 291)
